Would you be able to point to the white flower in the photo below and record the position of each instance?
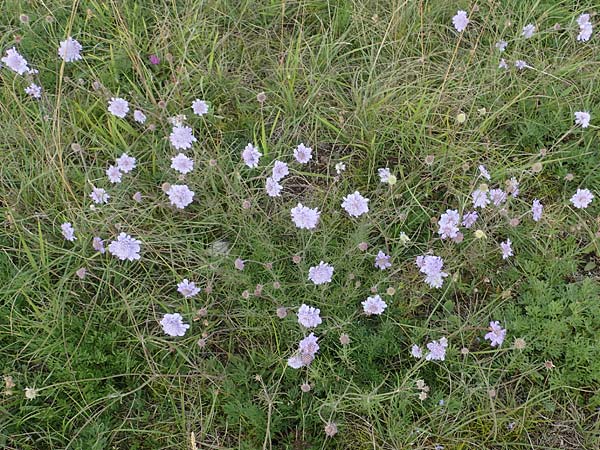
(200, 107)
(99, 195)
(382, 261)
(460, 21)
(139, 116)
(582, 118)
(340, 167)
(172, 324)
(295, 362)
(34, 90)
(125, 163)
(187, 288)
(512, 187)
(305, 217)
(320, 274)
(118, 107)
(583, 19)
(582, 198)
(303, 154)
(68, 231)
(15, 61)
(280, 170)
(374, 305)
(180, 195)
(98, 244)
(536, 210)
(251, 156)
(484, 173)
(416, 351)
(585, 32)
(437, 350)
(520, 64)
(496, 335)
(70, 50)
(384, 174)
(125, 247)
(182, 137)
(355, 204)
(528, 30)
(308, 316)
(503, 64)
(506, 249)
(182, 163)
(273, 187)
(114, 174)
(501, 45)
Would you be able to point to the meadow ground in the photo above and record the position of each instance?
(371, 84)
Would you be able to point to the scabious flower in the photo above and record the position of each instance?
(496, 335)
(239, 264)
(469, 219)
(432, 266)
(182, 137)
(280, 170)
(200, 107)
(498, 196)
(374, 305)
(503, 64)
(384, 174)
(437, 350)
(139, 116)
(536, 210)
(187, 288)
(180, 195)
(98, 244)
(303, 154)
(308, 316)
(68, 231)
(512, 187)
(34, 90)
(460, 20)
(154, 59)
(416, 351)
(125, 247)
(273, 188)
(582, 118)
(355, 204)
(480, 198)
(585, 28)
(501, 45)
(114, 174)
(583, 19)
(305, 217)
(520, 64)
(582, 198)
(251, 156)
(382, 261)
(99, 195)
(182, 163)
(15, 61)
(340, 167)
(307, 349)
(320, 274)
(484, 172)
(125, 163)
(118, 107)
(70, 50)
(528, 30)
(448, 224)
(506, 249)
(172, 324)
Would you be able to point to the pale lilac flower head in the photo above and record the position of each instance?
(497, 196)
(320, 274)
(501, 45)
(303, 154)
(305, 217)
(180, 195)
(251, 156)
(585, 32)
(200, 107)
(239, 264)
(484, 173)
(506, 249)
(582, 118)
(172, 324)
(537, 209)
(125, 247)
(384, 174)
(280, 170)
(139, 116)
(99, 195)
(68, 231)
(496, 335)
(355, 204)
(70, 50)
(34, 90)
(374, 305)
(15, 61)
(448, 224)
(460, 20)
(273, 188)
(469, 219)
(187, 288)
(308, 316)
(582, 198)
(512, 187)
(520, 64)
(480, 198)
(118, 107)
(503, 64)
(98, 244)
(182, 137)
(309, 345)
(125, 163)
(416, 351)
(528, 30)
(583, 19)
(382, 261)
(182, 163)
(114, 174)
(437, 350)
(432, 266)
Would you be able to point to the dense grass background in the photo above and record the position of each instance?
(369, 83)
